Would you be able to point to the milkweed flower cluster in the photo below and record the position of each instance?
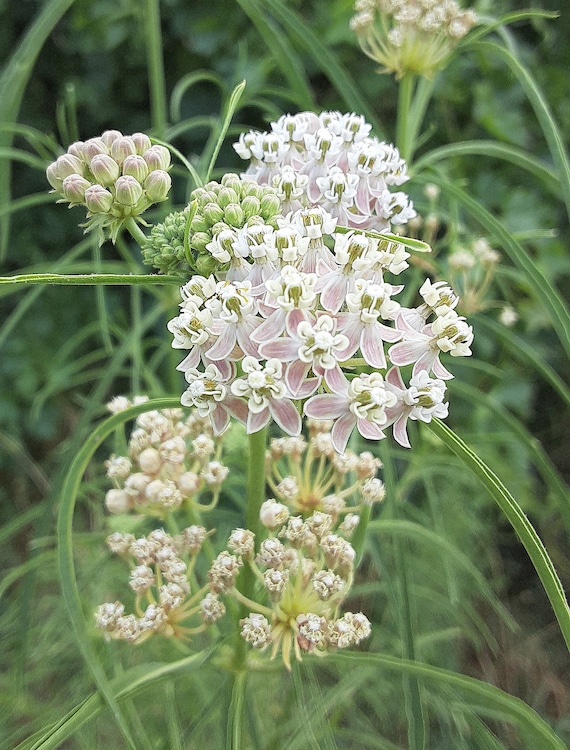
(173, 461)
(330, 160)
(115, 177)
(291, 316)
(410, 36)
(161, 569)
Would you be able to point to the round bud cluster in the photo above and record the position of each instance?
(171, 461)
(410, 36)
(116, 177)
(164, 249)
(230, 205)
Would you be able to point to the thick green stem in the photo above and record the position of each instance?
(135, 231)
(155, 63)
(88, 279)
(405, 93)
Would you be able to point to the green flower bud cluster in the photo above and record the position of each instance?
(164, 248)
(115, 176)
(232, 204)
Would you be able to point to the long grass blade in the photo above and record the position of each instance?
(520, 523)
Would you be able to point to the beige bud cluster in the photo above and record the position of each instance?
(115, 176)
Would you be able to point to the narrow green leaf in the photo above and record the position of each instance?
(484, 699)
(543, 114)
(88, 279)
(13, 83)
(230, 110)
(520, 523)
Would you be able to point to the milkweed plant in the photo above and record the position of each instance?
(313, 332)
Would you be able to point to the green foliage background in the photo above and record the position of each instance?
(59, 363)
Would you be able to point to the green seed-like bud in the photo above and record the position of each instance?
(199, 224)
(142, 142)
(67, 164)
(270, 206)
(121, 148)
(212, 213)
(105, 169)
(136, 166)
(73, 188)
(128, 190)
(233, 215)
(227, 196)
(92, 147)
(199, 240)
(250, 205)
(157, 157)
(206, 264)
(157, 185)
(109, 136)
(98, 200)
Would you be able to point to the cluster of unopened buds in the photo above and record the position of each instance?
(172, 461)
(116, 177)
(410, 36)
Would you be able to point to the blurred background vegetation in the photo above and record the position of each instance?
(58, 362)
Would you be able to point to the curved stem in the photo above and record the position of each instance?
(155, 63)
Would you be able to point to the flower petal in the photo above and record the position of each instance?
(286, 415)
(342, 430)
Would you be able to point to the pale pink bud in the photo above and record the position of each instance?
(92, 147)
(105, 169)
(53, 176)
(98, 200)
(67, 164)
(157, 157)
(122, 147)
(128, 190)
(73, 188)
(109, 136)
(76, 149)
(136, 166)
(142, 142)
(157, 185)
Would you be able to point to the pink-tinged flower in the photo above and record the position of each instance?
(309, 345)
(422, 400)
(208, 392)
(235, 307)
(291, 189)
(448, 333)
(314, 223)
(290, 290)
(361, 403)
(267, 396)
(361, 323)
(196, 330)
(338, 193)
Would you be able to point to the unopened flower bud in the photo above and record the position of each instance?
(199, 240)
(270, 205)
(142, 142)
(109, 136)
(104, 169)
(76, 149)
(150, 461)
(92, 147)
(212, 214)
(157, 185)
(251, 206)
(157, 157)
(136, 166)
(53, 176)
(98, 200)
(227, 195)
(73, 188)
(128, 190)
(122, 147)
(233, 215)
(67, 164)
